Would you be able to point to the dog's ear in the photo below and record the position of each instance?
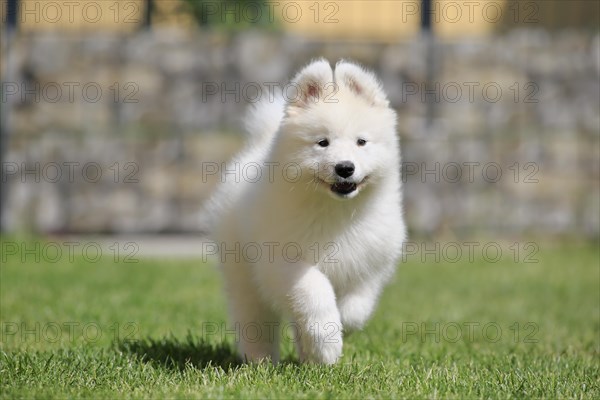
(311, 85)
(360, 82)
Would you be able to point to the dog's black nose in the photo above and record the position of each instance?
(344, 169)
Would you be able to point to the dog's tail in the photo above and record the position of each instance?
(264, 117)
(262, 123)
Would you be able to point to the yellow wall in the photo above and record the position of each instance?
(381, 20)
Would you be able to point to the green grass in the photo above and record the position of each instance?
(104, 330)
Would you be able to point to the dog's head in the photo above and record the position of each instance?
(339, 129)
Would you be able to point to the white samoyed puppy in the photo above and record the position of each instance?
(308, 220)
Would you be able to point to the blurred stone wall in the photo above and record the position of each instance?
(112, 133)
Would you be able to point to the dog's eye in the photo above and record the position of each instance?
(323, 142)
(361, 142)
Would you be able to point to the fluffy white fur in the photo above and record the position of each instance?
(349, 242)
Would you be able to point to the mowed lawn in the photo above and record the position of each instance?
(108, 328)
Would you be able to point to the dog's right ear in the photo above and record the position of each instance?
(310, 84)
(361, 82)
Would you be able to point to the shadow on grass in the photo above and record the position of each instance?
(174, 353)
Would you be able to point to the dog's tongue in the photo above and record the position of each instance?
(343, 187)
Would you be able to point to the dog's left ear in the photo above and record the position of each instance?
(360, 82)
(311, 83)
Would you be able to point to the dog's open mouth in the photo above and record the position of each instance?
(343, 188)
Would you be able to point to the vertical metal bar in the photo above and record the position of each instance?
(12, 8)
(426, 15)
(11, 14)
(427, 36)
(148, 13)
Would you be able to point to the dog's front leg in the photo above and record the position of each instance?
(357, 303)
(307, 296)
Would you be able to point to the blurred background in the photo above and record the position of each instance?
(111, 110)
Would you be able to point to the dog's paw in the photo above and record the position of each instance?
(322, 343)
(330, 352)
(355, 310)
